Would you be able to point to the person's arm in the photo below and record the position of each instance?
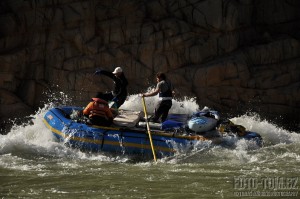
(153, 93)
(117, 80)
(108, 74)
(87, 109)
(173, 90)
(109, 114)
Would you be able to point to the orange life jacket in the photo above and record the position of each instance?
(98, 107)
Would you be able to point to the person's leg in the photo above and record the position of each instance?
(157, 112)
(162, 110)
(166, 106)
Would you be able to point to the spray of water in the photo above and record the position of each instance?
(271, 133)
(185, 106)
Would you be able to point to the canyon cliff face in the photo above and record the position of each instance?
(233, 55)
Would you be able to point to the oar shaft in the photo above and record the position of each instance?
(148, 129)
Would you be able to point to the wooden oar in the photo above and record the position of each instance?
(148, 128)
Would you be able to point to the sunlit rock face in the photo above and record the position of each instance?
(234, 56)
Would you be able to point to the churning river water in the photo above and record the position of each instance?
(34, 165)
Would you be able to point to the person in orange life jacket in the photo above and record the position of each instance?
(98, 111)
(165, 90)
(119, 94)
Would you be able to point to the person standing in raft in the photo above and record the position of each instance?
(119, 94)
(98, 111)
(165, 90)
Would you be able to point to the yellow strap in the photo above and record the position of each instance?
(148, 129)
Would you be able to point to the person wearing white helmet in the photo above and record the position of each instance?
(119, 93)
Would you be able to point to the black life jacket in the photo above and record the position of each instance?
(168, 92)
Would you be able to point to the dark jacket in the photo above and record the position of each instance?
(120, 87)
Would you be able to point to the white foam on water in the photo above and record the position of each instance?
(271, 133)
(33, 139)
(185, 106)
(279, 144)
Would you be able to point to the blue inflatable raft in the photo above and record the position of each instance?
(128, 134)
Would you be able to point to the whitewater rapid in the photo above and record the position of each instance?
(33, 138)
